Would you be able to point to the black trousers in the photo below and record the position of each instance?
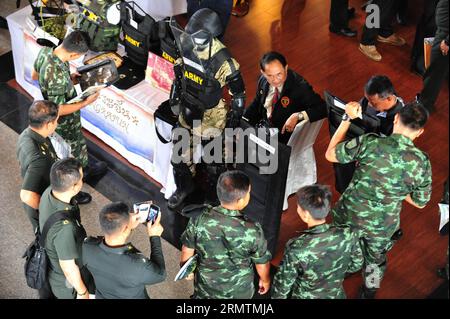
(425, 28)
(222, 7)
(434, 76)
(339, 13)
(387, 12)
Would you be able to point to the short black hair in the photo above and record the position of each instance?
(380, 85)
(64, 174)
(76, 42)
(316, 199)
(113, 217)
(42, 112)
(413, 115)
(270, 57)
(232, 186)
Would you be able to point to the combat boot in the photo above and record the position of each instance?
(185, 185)
(366, 293)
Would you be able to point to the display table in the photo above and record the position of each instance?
(123, 119)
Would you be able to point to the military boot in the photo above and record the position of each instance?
(185, 185)
(214, 172)
(366, 293)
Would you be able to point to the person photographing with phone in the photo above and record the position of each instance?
(120, 270)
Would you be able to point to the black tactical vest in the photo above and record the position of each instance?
(202, 89)
(138, 41)
(168, 46)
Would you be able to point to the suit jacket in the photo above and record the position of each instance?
(297, 95)
(386, 122)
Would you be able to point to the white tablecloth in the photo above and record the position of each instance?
(122, 119)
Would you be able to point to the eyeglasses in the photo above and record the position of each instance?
(278, 76)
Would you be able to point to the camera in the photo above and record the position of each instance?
(147, 212)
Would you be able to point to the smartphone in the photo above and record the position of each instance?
(143, 210)
(153, 213)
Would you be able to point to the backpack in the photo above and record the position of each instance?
(36, 259)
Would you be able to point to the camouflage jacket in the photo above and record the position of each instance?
(389, 168)
(228, 246)
(54, 77)
(315, 263)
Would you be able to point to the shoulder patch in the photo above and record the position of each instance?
(353, 143)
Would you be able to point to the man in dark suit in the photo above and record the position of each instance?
(283, 98)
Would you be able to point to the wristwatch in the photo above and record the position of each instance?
(346, 118)
(300, 116)
(84, 293)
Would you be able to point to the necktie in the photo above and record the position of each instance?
(275, 98)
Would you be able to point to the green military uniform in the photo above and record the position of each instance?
(228, 245)
(388, 169)
(56, 86)
(63, 242)
(36, 157)
(122, 272)
(315, 263)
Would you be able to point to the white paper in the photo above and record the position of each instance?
(134, 24)
(443, 208)
(341, 105)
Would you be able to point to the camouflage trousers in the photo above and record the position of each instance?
(69, 127)
(374, 250)
(375, 241)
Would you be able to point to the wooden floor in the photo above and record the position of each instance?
(299, 30)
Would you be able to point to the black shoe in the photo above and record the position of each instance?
(185, 185)
(442, 273)
(401, 19)
(178, 198)
(366, 293)
(347, 32)
(363, 7)
(351, 13)
(397, 235)
(83, 198)
(96, 169)
(414, 69)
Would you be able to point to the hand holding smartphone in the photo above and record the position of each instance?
(147, 212)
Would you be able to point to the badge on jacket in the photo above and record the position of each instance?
(285, 101)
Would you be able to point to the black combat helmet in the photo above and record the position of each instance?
(207, 20)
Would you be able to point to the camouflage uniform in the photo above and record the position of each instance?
(389, 168)
(315, 263)
(214, 120)
(228, 245)
(56, 86)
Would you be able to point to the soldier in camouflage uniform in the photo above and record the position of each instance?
(391, 169)
(315, 263)
(227, 244)
(52, 70)
(197, 95)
